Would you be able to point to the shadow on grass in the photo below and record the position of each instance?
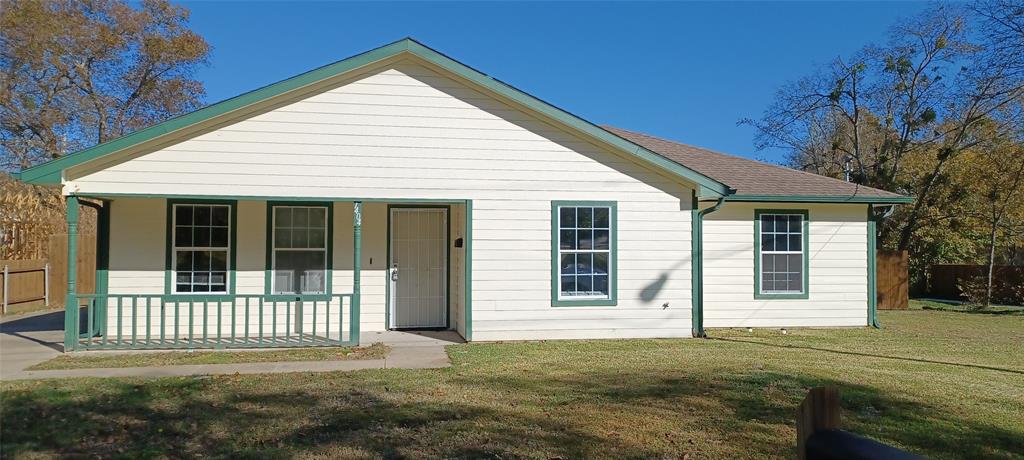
(747, 414)
(869, 355)
(1005, 311)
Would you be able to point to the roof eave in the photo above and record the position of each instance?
(852, 199)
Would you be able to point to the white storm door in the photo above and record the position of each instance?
(418, 268)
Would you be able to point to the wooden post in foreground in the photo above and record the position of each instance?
(819, 411)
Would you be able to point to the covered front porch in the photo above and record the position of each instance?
(184, 272)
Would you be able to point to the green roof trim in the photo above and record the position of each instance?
(858, 199)
(51, 171)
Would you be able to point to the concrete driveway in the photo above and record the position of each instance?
(29, 339)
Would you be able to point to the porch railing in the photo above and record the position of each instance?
(126, 321)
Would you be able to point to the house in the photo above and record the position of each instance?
(402, 189)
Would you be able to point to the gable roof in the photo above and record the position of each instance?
(51, 171)
(757, 181)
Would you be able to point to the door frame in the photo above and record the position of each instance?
(447, 262)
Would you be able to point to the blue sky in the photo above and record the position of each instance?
(685, 71)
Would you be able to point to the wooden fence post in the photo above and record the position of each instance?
(819, 411)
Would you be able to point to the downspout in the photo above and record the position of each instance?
(697, 263)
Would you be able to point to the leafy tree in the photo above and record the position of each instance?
(77, 73)
(903, 115)
(80, 72)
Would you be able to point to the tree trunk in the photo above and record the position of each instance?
(991, 261)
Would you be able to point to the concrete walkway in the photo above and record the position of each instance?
(31, 339)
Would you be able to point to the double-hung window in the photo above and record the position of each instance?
(300, 255)
(583, 253)
(201, 248)
(781, 256)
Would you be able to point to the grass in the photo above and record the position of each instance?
(172, 358)
(941, 384)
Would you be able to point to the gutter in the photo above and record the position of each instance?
(697, 262)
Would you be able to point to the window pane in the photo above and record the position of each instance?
(219, 260)
(282, 217)
(601, 240)
(767, 223)
(202, 260)
(300, 239)
(183, 278)
(202, 215)
(300, 217)
(183, 236)
(568, 284)
(768, 263)
(567, 239)
(182, 215)
(584, 239)
(584, 284)
(316, 238)
(282, 238)
(201, 278)
(584, 263)
(219, 237)
(183, 288)
(767, 242)
(300, 272)
(201, 237)
(567, 217)
(601, 217)
(794, 242)
(318, 217)
(601, 263)
(794, 224)
(601, 284)
(568, 264)
(183, 261)
(584, 217)
(220, 216)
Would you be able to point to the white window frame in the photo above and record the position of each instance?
(803, 253)
(559, 252)
(175, 249)
(274, 248)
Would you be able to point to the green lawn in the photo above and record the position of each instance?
(171, 358)
(943, 384)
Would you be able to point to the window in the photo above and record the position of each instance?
(300, 253)
(583, 253)
(781, 241)
(201, 248)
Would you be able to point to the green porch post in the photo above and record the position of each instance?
(872, 268)
(71, 302)
(357, 256)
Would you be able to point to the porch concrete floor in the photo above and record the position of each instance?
(33, 338)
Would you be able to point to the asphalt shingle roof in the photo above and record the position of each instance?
(749, 177)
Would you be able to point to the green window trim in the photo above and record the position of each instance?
(169, 293)
(268, 273)
(805, 226)
(613, 263)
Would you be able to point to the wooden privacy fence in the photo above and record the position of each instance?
(24, 282)
(944, 280)
(44, 282)
(893, 280)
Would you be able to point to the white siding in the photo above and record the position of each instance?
(408, 132)
(837, 283)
